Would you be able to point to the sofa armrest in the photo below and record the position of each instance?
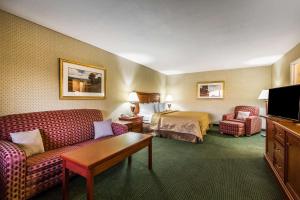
(228, 116)
(119, 129)
(12, 171)
(252, 125)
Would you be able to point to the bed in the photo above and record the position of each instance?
(180, 125)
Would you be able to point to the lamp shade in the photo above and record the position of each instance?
(133, 97)
(169, 98)
(264, 95)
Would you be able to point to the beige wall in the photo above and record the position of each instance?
(29, 76)
(281, 69)
(242, 86)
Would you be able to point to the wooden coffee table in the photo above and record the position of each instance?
(95, 158)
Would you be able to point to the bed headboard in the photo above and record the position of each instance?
(146, 97)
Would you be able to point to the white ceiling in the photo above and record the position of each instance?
(174, 36)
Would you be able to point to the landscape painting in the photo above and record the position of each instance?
(79, 81)
(210, 90)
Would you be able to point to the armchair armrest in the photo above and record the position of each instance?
(252, 125)
(119, 129)
(12, 171)
(228, 116)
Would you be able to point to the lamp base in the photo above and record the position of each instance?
(169, 106)
(132, 108)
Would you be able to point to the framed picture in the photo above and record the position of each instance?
(210, 90)
(81, 81)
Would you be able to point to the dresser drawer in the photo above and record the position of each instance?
(279, 158)
(279, 134)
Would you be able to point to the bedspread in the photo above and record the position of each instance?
(195, 123)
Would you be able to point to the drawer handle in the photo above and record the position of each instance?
(278, 150)
(288, 144)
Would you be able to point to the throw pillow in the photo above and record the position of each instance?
(242, 115)
(103, 128)
(30, 141)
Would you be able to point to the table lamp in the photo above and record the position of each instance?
(168, 100)
(133, 99)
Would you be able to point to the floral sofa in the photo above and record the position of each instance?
(22, 177)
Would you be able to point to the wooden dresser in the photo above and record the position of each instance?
(283, 154)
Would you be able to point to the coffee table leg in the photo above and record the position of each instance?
(65, 180)
(150, 155)
(90, 186)
(129, 160)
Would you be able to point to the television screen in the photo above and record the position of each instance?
(284, 102)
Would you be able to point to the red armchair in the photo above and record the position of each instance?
(233, 126)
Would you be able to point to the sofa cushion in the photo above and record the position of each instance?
(43, 166)
(30, 141)
(92, 141)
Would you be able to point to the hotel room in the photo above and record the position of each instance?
(169, 99)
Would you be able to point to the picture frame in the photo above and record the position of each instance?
(210, 90)
(81, 81)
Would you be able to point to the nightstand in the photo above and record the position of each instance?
(134, 124)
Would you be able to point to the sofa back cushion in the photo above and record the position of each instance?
(58, 128)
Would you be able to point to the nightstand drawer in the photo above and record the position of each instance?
(137, 127)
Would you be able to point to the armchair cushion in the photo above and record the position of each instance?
(13, 171)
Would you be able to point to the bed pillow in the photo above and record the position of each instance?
(162, 107)
(146, 108)
(242, 115)
(156, 107)
(30, 141)
(103, 128)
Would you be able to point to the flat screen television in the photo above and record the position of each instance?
(284, 102)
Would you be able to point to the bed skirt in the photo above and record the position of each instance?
(178, 136)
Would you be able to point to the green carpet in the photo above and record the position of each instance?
(223, 167)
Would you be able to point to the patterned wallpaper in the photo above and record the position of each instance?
(29, 75)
